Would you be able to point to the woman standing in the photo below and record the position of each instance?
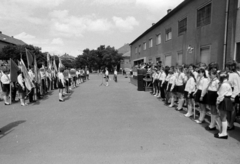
(224, 104)
(212, 99)
(180, 81)
(200, 97)
(21, 87)
(5, 80)
(171, 87)
(61, 84)
(189, 91)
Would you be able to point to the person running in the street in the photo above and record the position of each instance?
(106, 76)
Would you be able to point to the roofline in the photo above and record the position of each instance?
(175, 10)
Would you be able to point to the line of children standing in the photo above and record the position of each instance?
(208, 88)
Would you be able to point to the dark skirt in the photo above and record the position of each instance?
(169, 87)
(198, 95)
(6, 88)
(180, 89)
(165, 84)
(186, 95)
(174, 89)
(212, 97)
(226, 105)
(60, 85)
(237, 100)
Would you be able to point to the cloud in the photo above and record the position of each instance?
(64, 24)
(125, 24)
(39, 3)
(57, 41)
(31, 39)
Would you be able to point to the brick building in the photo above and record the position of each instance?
(195, 31)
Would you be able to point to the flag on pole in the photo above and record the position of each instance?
(49, 61)
(54, 64)
(29, 57)
(29, 84)
(60, 63)
(35, 68)
(13, 71)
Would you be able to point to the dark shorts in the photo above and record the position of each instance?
(6, 88)
(165, 84)
(212, 98)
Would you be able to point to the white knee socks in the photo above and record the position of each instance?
(224, 129)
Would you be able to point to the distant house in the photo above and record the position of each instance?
(9, 40)
(125, 51)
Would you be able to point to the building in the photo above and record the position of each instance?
(195, 31)
(7, 40)
(125, 51)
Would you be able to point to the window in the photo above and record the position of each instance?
(135, 50)
(168, 61)
(139, 48)
(204, 16)
(150, 42)
(182, 26)
(180, 58)
(144, 46)
(168, 34)
(159, 39)
(205, 54)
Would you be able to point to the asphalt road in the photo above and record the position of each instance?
(108, 125)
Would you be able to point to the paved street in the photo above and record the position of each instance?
(108, 125)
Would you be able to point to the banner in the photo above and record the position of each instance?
(29, 84)
(13, 71)
(29, 57)
(55, 65)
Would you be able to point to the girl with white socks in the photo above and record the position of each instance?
(189, 91)
(180, 81)
(200, 97)
(224, 104)
(61, 84)
(212, 99)
(171, 87)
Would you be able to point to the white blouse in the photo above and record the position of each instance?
(61, 78)
(163, 77)
(20, 80)
(5, 79)
(172, 81)
(190, 85)
(234, 80)
(202, 83)
(224, 90)
(213, 85)
(168, 77)
(180, 79)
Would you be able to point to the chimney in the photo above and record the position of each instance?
(12, 36)
(153, 24)
(169, 10)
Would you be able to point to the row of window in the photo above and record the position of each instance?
(203, 18)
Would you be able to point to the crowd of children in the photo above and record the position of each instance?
(45, 81)
(202, 86)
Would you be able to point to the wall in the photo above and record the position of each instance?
(212, 34)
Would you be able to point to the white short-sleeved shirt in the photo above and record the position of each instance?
(5, 79)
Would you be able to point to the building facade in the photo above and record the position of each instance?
(125, 51)
(195, 31)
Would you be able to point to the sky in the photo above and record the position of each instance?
(70, 26)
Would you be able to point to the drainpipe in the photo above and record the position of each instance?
(225, 34)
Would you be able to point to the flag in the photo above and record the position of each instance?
(60, 64)
(29, 84)
(29, 57)
(54, 64)
(13, 71)
(49, 61)
(35, 68)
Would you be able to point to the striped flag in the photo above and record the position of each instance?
(29, 84)
(29, 57)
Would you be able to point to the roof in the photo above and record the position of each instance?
(124, 49)
(174, 11)
(127, 54)
(11, 40)
(66, 56)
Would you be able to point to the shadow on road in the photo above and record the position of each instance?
(9, 128)
(68, 96)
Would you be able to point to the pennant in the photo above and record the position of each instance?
(13, 71)
(29, 57)
(29, 84)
